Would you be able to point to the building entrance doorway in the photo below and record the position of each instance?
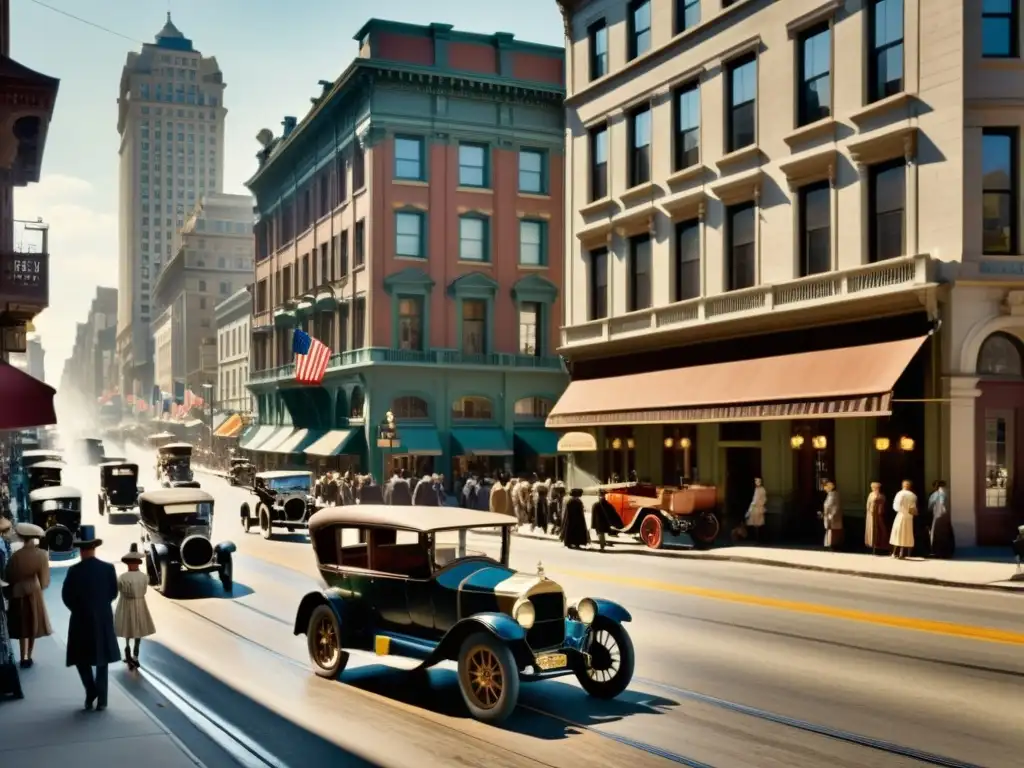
(742, 465)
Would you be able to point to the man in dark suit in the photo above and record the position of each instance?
(89, 588)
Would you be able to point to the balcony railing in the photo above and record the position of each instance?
(447, 357)
(879, 279)
(25, 278)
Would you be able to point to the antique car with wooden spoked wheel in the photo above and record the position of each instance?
(656, 513)
(404, 582)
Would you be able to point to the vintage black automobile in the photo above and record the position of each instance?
(36, 455)
(402, 581)
(58, 511)
(92, 450)
(174, 466)
(44, 474)
(119, 487)
(160, 439)
(284, 499)
(242, 472)
(176, 527)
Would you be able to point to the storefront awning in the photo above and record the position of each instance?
(193, 423)
(253, 439)
(231, 427)
(577, 442)
(480, 441)
(26, 402)
(417, 441)
(333, 443)
(220, 417)
(831, 383)
(271, 444)
(537, 440)
(298, 440)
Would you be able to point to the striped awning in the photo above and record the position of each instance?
(257, 437)
(333, 443)
(231, 427)
(271, 444)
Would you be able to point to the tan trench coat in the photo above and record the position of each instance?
(132, 617)
(28, 573)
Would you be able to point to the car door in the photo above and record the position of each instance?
(385, 591)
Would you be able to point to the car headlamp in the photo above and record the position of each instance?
(586, 610)
(524, 613)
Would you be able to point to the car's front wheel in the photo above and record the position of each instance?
(168, 579)
(226, 573)
(266, 531)
(246, 518)
(323, 642)
(151, 571)
(611, 660)
(488, 678)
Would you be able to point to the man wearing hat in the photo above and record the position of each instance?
(89, 589)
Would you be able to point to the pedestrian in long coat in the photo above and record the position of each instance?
(28, 574)
(755, 512)
(943, 540)
(602, 517)
(132, 619)
(424, 494)
(876, 532)
(10, 683)
(539, 500)
(832, 517)
(902, 537)
(398, 492)
(574, 527)
(89, 589)
(556, 501)
(499, 501)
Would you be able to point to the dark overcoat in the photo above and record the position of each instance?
(602, 515)
(424, 495)
(397, 492)
(89, 589)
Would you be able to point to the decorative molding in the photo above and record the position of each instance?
(819, 165)
(410, 277)
(880, 146)
(823, 12)
(473, 284)
(535, 288)
(740, 188)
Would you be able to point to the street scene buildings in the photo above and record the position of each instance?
(793, 247)
(91, 372)
(412, 222)
(231, 394)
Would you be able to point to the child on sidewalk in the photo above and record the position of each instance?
(132, 620)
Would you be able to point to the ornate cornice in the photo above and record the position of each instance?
(446, 84)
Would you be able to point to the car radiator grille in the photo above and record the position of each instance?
(548, 630)
(295, 510)
(196, 551)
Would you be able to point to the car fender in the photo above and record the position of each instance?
(158, 552)
(502, 626)
(309, 603)
(225, 548)
(612, 610)
(641, 513)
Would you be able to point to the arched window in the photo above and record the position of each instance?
(410, 407)
(533, 408)
(356, 403)
(472, 408)
(1001, 355)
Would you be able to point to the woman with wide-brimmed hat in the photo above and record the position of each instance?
(10, 683)
(132, 619)
(28, 573)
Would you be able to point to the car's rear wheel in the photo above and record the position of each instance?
(488, 678)
(151, 571)
(246, 518)
(705, 530)
(264, 514)
(652, 531)
(168, 579)
(611, 659)
(323, 642)
(227, 573)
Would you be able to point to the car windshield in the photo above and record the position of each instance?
(450, 546)
(190, 513)
(51, 505)
(296, 484)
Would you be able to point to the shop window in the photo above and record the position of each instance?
(476, 408)
(998, 455)
(1001, 355)
(410, 407)
(357, 402)
(619, 455)
(533, 408)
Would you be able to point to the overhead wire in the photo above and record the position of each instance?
(81, 20)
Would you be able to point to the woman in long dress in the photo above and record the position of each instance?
(902, 537)
(755, 513)
(943, 541)
(28, 573)
(876, 532)
(132, 619)
(832, 517)
(574, 527)
(10, 683)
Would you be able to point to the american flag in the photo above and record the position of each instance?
(311, 358)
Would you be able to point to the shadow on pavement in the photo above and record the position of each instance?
(125, 519)
(203, 586)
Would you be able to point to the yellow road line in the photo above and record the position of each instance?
(966, 631)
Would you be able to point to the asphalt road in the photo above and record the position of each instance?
(737, 665)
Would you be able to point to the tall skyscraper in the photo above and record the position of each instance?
(171, 123)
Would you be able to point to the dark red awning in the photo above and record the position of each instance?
(25, 402)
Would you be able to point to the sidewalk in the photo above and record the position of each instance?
(48, 727)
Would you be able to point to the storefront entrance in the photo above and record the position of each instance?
(742, 465)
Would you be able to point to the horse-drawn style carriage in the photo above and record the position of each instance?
(650, 511)
(174, 466)
(119, 487)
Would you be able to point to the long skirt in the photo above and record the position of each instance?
(902, 531)
(574, 529)
(834, 538)
(943, 540)
(27, 617)
(10, 682)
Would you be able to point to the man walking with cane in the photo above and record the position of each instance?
(89, 589)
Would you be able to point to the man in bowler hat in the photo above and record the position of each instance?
(89, 588)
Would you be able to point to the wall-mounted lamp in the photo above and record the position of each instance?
(669, 442)
(616, 444)
(685, 443)
(906, 443)
(630, 444)
(882, 443)
(820, 442)
(796, 442)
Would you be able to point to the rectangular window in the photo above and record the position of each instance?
(640, 147)
(409, 158)
(472, 165)
(531, 172)
(687, 277)
(686, 125)
(886, 208)
(815, 229)
(410, 323)
(639, 28)
(343, 252)
(598, 35)
(687, 15)
(599, 163)
(885, 52)
(815, 53)
(531, 243)
(472, 238)
(639, 288)
(359, 323)
(474, 327)
(742, 95)
(999, 25)
(741, 226)
(409, 234)
(597, 288)
(999, 460)
(359, 247)
(529, 328)
(999, 191)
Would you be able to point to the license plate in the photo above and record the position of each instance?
(552, 661)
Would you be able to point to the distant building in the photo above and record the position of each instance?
(91, 371)
(234, 318)
(36, 358)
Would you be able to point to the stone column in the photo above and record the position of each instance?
(962, 391)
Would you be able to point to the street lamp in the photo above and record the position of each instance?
(387, 438)
(208, 401)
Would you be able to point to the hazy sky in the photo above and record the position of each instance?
(272, 54)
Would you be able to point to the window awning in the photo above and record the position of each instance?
(333, 443)
(537, 440)
(831, 383)
(577, 442)
(26, 402)
(231, 427)
(257, 437)
(193, 423)
(271, 444)
(298, 440)
(220, 417)
(480, 441)
(418, 441)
